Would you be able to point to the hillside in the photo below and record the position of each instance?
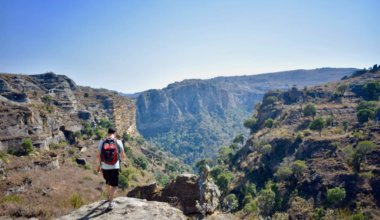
(192, 118)
(49, 130)
(313, 153)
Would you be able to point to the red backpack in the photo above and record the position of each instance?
(110, 151)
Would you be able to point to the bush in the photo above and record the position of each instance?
(269, 100)
(223, 181)
(345, 126)
(76, 200)
(364, 115)
(27, 146)
(141, 162)
(309, 110)
(266, 201)
(283, 173)
(250, 123)
(127, 137)
(125, 176)
(230, 202)
(12, 199)
(100, 134)
(329, 121)
(298, 167)
(317, 125)
(335, 196)
(341, 89)
(105, 123)
(371, 90)
(269, 123)
(161, 178)
(239, 139)
(365, 147)
(358, 216)
(265, 149)
(250, 207)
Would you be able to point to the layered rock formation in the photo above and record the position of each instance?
(191, 118)
(48, 108)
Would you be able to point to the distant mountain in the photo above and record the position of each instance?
(193, 117)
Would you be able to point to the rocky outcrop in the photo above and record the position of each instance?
(187, 192)
(180, 115)
(127, 208)
(49, 108)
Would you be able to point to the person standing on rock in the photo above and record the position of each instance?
(111, 151)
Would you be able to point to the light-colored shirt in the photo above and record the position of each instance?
(105, 166)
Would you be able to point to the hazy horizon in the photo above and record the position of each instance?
(133, 46)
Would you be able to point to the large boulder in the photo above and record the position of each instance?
(127, 208)
(188, 192)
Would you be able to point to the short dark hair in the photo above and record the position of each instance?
(111, 130)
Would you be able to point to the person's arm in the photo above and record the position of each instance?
(122, 153)
(98, 162)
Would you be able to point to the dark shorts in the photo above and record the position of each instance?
(111, 176)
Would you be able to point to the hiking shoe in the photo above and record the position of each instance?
(111, 205)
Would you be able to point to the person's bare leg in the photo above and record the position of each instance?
(112, 193)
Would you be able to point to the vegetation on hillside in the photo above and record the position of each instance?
(312, 154)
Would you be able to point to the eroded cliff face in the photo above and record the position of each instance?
(45, 107)
(188, 116)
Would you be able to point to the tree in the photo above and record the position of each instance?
(317, 125)
(269, 123)
(27, 146)
(355, 156)
(310, 110)
(250, 123)
(299, 167)
(371, 90)
(335, 196)
(230, 202)
(223, 181)
(269, 100)
(364, 115)
(284, 172)
(266, 201)
(239, 139)
(329, 121)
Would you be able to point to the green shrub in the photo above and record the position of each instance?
(141, 162)
(125, 176)
(250, 207)
(100, 134)
(364, 115)
(329, 121)
(161, 178)
(358, 216)
(299, 167)
(269, 123)
(105, 123)
(266, 201)
(371, 90)
(12, 199)
(345, 126)
(76, 200)
(265, 149)
(284, 172)
(27, 146)
(127, 137)
(335, 196)
(239, 139)
(250, 123)
(86, 95)
(341, 88)
(365, 147)
(223, 181)
(47, 99)
(230, 202)
(317, 125)
(309, 110)
(269, 100)
(318, 213)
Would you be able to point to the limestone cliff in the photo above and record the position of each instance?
(193, 117)
(47, 107)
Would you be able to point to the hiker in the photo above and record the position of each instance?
(111, 151)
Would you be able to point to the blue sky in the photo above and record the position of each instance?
(131, 46)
